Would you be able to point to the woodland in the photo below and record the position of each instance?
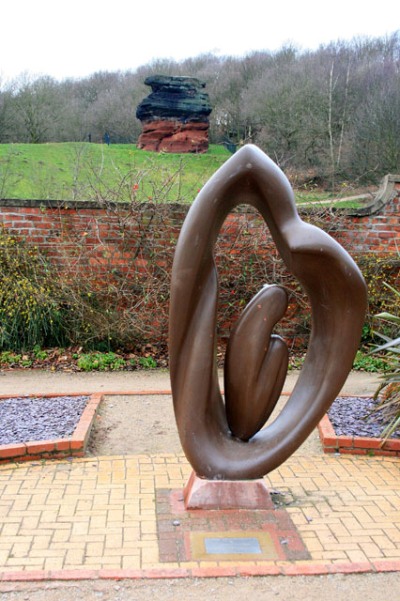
(325, 116)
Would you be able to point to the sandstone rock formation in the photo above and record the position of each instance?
(175, 115)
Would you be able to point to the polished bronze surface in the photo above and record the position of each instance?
(224, 440)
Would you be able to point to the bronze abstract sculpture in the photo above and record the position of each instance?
(224, 440)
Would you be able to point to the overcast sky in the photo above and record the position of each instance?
(74, 38)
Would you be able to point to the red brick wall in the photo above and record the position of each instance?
(95, 239)
(378, 233)
(116, 230)
(83, 235)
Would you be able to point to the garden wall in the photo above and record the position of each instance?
(112, 245)
(375, 228)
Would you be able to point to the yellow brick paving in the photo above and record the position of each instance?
(99, 513)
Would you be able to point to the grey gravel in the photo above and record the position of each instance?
(27, 419)
(351, 416)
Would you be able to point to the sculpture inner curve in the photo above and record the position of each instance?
(337, 293)
(263, 358)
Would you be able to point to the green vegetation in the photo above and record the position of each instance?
(29, 311)
(147, 362)
(365, 362)
(379, 271)
(313, 196)
(389, 389)
(100, 362)
(119, 172)
(60, 358)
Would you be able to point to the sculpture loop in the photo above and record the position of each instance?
(224, 440)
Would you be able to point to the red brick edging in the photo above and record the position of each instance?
(355, 445)
(73, 445)
(269, 569)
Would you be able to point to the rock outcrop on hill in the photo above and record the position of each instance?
(175, 115)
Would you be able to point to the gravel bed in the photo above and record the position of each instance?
(348, 417)
(26, 419)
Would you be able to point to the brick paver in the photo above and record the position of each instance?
(99, 517)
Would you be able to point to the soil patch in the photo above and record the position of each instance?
(136, 424)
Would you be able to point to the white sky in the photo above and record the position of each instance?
(74, 38)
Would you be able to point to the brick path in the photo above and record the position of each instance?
(123, 516)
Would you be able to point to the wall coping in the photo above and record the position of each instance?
(77, 205)
(53, 203)
(385, 193)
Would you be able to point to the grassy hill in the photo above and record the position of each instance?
(119, 172)
(83, 171)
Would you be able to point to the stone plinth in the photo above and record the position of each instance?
(226, 494)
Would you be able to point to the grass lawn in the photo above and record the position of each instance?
(119, 172)
(83, 171)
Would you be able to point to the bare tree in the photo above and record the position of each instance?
(36, 108)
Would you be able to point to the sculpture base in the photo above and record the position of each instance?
(200, 493)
